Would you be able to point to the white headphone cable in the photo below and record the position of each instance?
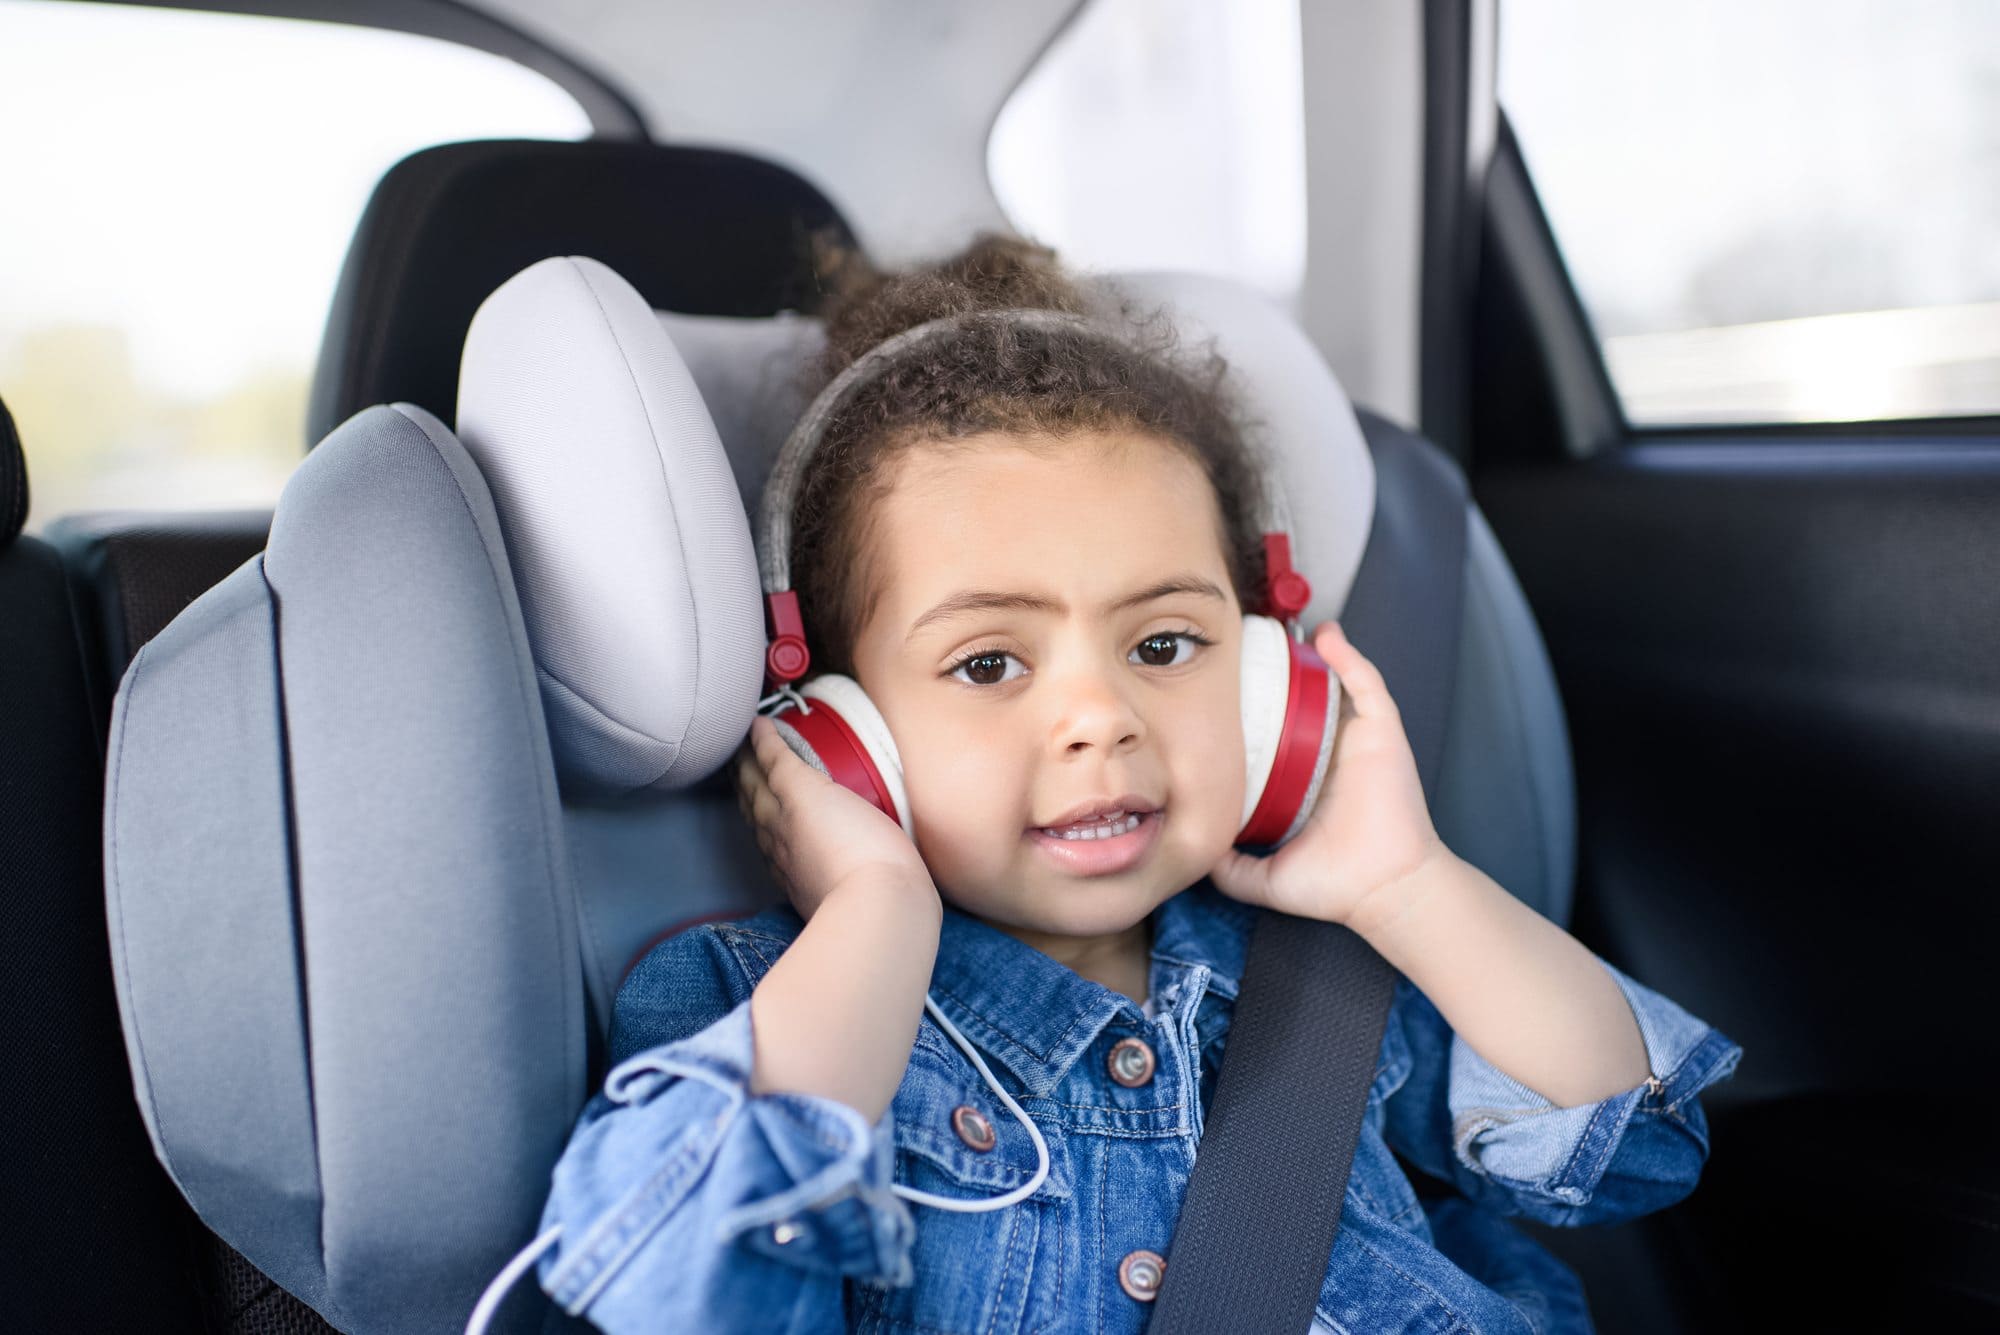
(489, 1301)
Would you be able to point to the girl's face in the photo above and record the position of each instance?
(1055, 631)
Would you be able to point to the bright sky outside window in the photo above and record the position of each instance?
(183, 187)
(1781, 211)
(1164, 134)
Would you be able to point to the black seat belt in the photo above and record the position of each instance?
(1263, 1201)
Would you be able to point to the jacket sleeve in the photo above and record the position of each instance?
(1460, 1118)
(686, 1203)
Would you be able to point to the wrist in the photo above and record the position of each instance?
(907, 891)
(1383, 910)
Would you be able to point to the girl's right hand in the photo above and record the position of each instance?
(817, 835)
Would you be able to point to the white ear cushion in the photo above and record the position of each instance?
(852, 704)
(1267, 680)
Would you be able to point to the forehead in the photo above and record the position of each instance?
(1083, 517)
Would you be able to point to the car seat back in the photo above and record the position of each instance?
(363, 961)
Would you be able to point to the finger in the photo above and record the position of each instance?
(1360, 680)
(749, 778)
(759, 802)
(776, 758)
(1243, 877)
(776, 753)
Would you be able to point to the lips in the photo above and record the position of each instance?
(1101, 809)
(1101, 855)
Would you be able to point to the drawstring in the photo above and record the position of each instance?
(489, 1301)
(785, 692)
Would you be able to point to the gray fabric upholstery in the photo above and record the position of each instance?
(624, 526)
(409, 962)
(203, 937)
(1506, 798)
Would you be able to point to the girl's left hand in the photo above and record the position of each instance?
(1370, 827)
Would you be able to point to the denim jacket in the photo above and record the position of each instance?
(688, 1205)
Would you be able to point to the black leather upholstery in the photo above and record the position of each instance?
(698, 230)
(95, 1236)
(13, 480)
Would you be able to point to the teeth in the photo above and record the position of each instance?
(1109, 829)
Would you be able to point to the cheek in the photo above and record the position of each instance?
(1209, 770)
(964, 793)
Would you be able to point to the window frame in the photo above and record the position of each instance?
(1591, 415)
(611, 112)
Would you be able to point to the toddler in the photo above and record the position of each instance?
(1035, 556)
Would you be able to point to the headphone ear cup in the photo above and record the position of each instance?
(1266, 686)
(843, 736)
(1291, 706)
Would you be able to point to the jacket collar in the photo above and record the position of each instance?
(1037, 1016)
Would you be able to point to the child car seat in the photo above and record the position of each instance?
(360, 963)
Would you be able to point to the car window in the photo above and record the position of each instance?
(181, 190)
(1782, 211)
(1164, 134)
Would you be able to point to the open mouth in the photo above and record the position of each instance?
(1103, 827)
(1101, 845)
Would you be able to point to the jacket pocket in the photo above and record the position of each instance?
(987, 1270)
(1000, 1270)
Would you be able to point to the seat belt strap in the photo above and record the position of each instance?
(1263, 1202)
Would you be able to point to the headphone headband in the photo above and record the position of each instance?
(788, 473)
(786, 657)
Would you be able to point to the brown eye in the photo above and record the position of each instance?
(1165, 650)
(985, 669)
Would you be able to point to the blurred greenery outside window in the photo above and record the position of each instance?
(1781, 211)
(182, 190)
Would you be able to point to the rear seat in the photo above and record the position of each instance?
(96, 1236)
(135, 571)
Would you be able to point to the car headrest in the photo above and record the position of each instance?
(594, 419)
(13, 480)
(699, 230)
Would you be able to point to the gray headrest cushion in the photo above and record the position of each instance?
(628, 538)
(1324, 483)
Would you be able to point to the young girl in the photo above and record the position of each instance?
(1035, 557)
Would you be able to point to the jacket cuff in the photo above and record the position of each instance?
(839, 1215)
(1503, 1129)
(798, 1177)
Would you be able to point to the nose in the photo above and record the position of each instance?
(1095, 713)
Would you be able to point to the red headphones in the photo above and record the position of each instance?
(1290, 697)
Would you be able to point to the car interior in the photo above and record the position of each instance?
(319, 881)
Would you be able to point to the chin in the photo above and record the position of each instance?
(1096, 906)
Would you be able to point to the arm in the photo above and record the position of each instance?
(825, 1026)
(1523, 992)
(1459, 1117)
(1542, 1081)
(701, 1191)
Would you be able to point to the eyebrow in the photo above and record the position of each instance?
(986, 600)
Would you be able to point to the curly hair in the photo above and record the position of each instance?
(996, 376)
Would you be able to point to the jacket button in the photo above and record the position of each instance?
(1140, 1273)
(972, 1126)
(1131, 1062)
